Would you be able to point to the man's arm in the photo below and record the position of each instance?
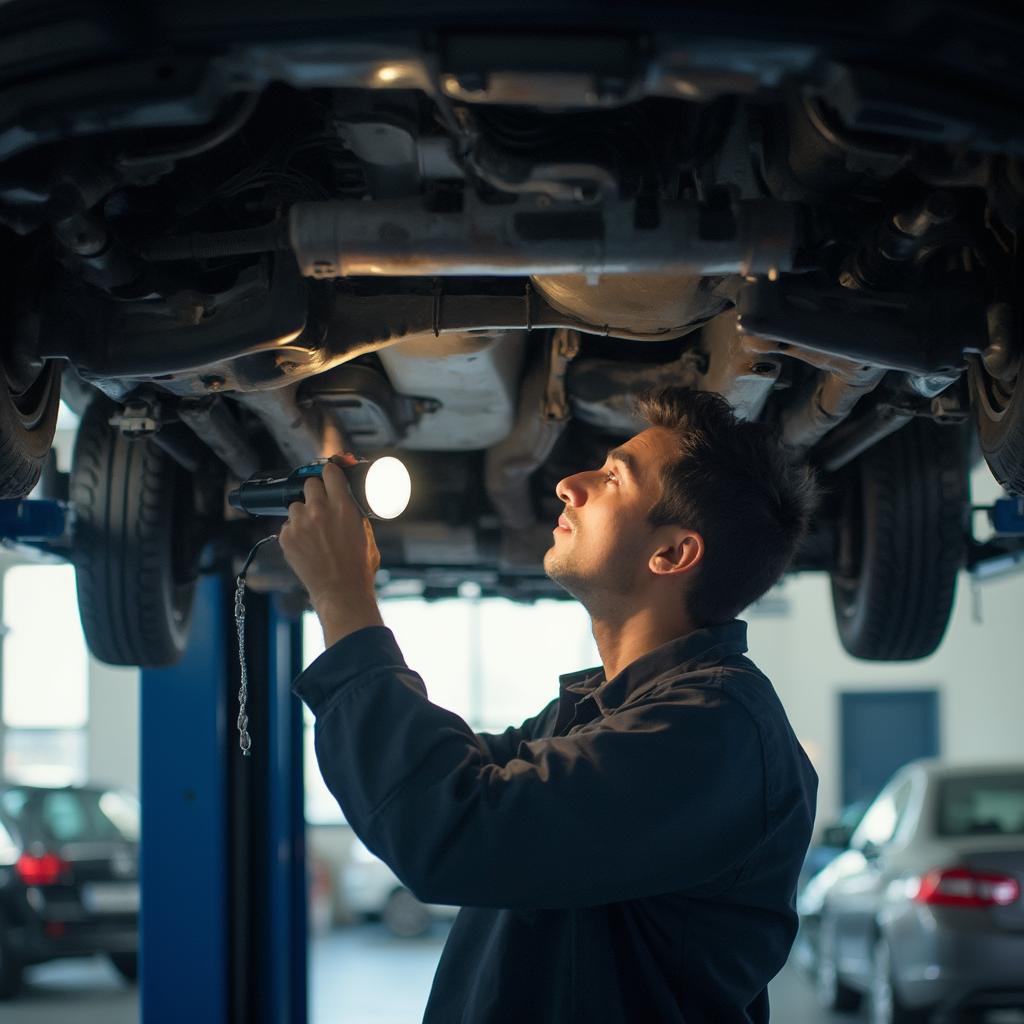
(502, 747)
(332, 549)
(647, 801)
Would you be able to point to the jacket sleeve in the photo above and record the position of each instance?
(658, 797)
(501, 747)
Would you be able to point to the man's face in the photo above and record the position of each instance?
(603, 542)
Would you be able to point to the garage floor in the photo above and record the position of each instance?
(353, 969)
(353, 981)
(353, 974)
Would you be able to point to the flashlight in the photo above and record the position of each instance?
(380, 487)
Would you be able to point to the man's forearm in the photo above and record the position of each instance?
(339, 616)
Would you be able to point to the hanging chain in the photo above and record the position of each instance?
(244, 739)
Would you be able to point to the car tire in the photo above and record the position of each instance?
(405, 916)
(28, 420)
(135, 554)
(999, 418)
(127, 965)
(884, 1006)
(901, 542)
(11, 968)
(832, 994)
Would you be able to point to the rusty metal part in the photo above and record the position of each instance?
(853, 437)
(303, 435)
(564, 347)
(829, 397)
(604, 391)
(737, 368)
(212, 421)
(825, 404)
(659, 306)
(542, 415)
(1001, 357)
(924, 334)
(888, 256)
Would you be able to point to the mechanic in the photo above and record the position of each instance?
(631, 853)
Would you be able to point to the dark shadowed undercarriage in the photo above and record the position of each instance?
(238, 241)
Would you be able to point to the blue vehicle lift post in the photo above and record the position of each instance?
(223, 923)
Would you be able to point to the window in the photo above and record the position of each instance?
(883, 816)
(982, 805)
(123, 811)
(45, 683)
(70, 816)
(45, 757)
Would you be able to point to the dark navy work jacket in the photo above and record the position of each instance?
(628, 855)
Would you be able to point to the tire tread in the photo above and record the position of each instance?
(122, 492)
(914, 487)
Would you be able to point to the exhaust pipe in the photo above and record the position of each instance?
(400, 238)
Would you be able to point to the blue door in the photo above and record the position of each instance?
(882, 732)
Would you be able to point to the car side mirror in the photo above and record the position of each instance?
(837, 835)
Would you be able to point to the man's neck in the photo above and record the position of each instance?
(623, 639)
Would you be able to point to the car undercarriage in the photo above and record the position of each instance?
(237, 243)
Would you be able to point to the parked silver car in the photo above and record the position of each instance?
(923, 913)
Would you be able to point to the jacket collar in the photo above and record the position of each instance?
(701, 647)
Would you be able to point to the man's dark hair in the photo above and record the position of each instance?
(735, 484)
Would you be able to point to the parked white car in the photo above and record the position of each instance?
(370, 889)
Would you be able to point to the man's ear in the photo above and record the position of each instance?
(683, 552)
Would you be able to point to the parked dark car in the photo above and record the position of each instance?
(923, 913)
(242, 236)
(68, 878)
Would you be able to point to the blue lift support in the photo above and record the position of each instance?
(223, 934)
(223, 864)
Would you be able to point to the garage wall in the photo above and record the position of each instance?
(113, 730)
(977, 670)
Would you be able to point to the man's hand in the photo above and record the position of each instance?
(330, 546)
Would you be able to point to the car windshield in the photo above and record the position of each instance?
(982, 805)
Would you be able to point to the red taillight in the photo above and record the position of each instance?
(961, 887)
(45, 870)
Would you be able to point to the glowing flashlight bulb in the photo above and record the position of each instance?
(387, 487)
